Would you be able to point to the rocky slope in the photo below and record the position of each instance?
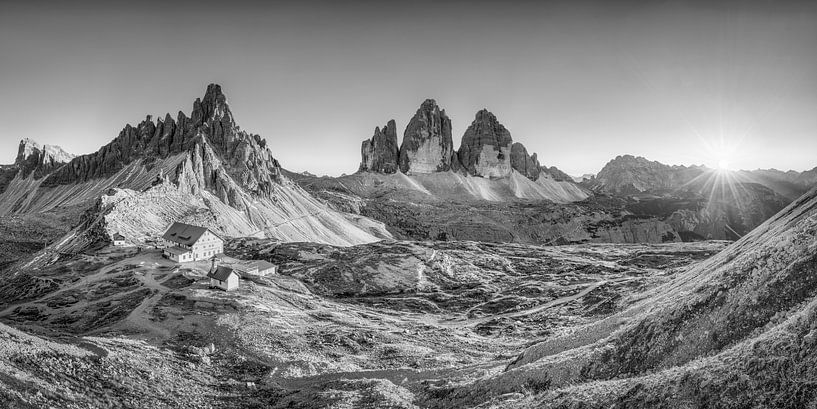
(360, 326)
(201, 168)
(735, 330)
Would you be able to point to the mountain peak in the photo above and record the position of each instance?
(33, 157)
(26, 148)
(213, 106)
(485, 149)
(427, 146)
(380, 152)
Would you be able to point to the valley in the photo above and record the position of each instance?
(375, 320)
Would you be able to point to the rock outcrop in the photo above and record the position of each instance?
(39, 160)
(427, 146)
(380, 153)
(527, 165)
(556, 174)
(486, 147)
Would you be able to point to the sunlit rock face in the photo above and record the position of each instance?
(427, 146)
(486, 147)
(40, 160)
(380, 153)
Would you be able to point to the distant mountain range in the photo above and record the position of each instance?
(628, 174)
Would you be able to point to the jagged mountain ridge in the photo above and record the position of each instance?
(628, 174)
(486, 149)
(211, 172)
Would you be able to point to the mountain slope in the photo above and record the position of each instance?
(738, 327)
(202, 169)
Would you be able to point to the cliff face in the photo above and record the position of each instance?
(427, 146)
(380, 153)
(486, 147)
(39, 160)
(527, 165)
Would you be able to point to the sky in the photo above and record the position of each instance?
(579, 82)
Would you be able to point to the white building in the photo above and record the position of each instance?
(223, 277)
(118, 240)
(186, 242)
(255, 267)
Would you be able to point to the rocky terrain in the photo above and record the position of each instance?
(362, 325)
(735, 330)
(425, 324)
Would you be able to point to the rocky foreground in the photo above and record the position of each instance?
(425, 324)
(369, 324)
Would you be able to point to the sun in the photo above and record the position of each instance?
(723, 164)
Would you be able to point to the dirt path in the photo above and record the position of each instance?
(398, 376)
(521, 313)
(138, 317)
(144, 266)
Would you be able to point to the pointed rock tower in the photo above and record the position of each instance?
(380, 153)
(486, 147)
(427, 146)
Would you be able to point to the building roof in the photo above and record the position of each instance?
(117, 236)
(184, 233)
(221, 273)
(177, 250)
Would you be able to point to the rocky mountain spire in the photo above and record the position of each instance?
(380, 153)
(486, 147)
(213, 107)
(523, 163)
(427, 146)
(211, 123)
